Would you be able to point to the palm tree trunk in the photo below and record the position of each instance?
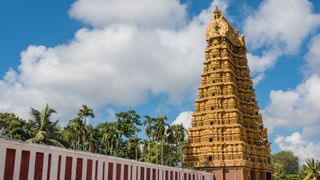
(157, 151)
(170, 163)
(149, 150)
(85, 134)
(78, 144)
(136, 153)
(111, 149)
(161, 150)
(181, 146)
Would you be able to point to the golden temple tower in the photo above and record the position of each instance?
(227, 136)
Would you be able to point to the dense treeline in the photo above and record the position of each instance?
(286, 167)
(164, 143)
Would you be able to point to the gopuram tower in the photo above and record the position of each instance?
(227, 136)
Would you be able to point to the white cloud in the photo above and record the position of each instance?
(295, 108)
(118, 64)
(221, 4)
(313, 56)
(283, 25)
(299, 107)
(301, 147)
(311, 131)
(148, 13)
(258, 64)
(184, 118)
(280, 28)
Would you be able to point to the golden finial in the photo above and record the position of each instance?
(217, 13)
(216, 9)
(216, 5)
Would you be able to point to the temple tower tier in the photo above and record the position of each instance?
(227, 136)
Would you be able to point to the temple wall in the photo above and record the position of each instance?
(39, 162)
(229, 173)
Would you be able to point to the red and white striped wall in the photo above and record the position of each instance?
(23, 161)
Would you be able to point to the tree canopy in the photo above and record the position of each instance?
(120, 137)
(287, 160)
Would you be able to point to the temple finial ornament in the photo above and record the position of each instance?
(217, 13)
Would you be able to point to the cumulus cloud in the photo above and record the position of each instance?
(148, 13)
(299, 107)
(258, 64)
(274, 22)
(313, 56)
(278, 26)
(184, 118)
(118, 65)
(295, 108)
(121, 63)
(301, 147)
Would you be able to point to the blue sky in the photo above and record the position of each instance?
(117, 55)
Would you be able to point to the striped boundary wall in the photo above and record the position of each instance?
(24, 161)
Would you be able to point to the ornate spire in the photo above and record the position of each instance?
(227, 136)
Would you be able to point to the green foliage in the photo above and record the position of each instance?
(12, 127)
(133, 150)
(84, 113)
(128, 123)
(149, 124)
(311, 170)
(278, 173)
(287, 160)
(74, 133)
(44, 130)
(108, 137)
(176, 138)
(120, 138)
(292, 177)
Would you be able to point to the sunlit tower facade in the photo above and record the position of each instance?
(227, 136)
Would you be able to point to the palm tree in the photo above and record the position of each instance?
(109, 137)
(47, 132)
(171, 139)
(311, 169)
(176, 135)
(16, 129)
(180, 137)
(84, 113)
(12, 127)
(160, 131)
(93, 139)
(145, 150)
(278, 172)
(134, 143)
(74, 133)
(119, 131)
(148, 122)
(156, 140)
